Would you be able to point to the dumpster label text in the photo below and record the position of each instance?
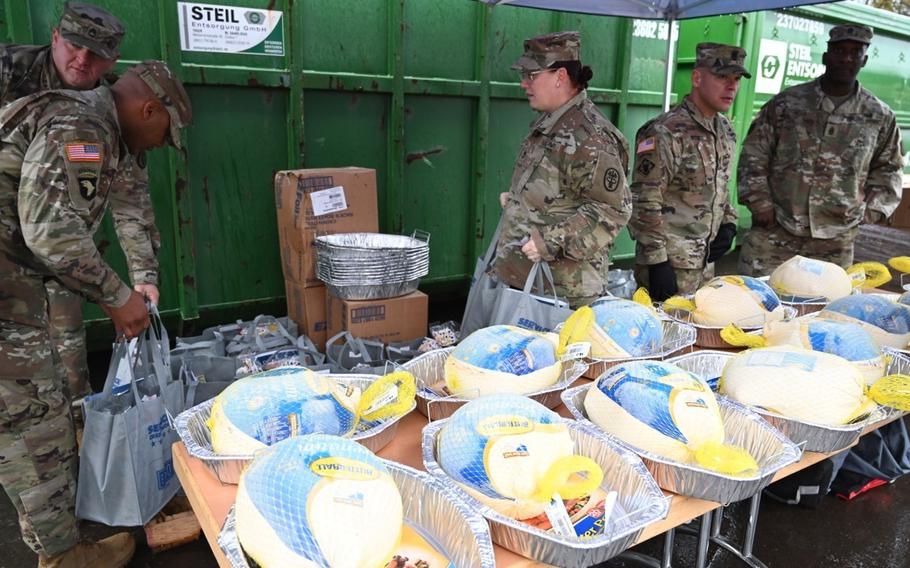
(230, 29)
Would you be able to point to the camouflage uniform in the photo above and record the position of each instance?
(28, 69)
(568, 191)
(59, 154)
(821, 167)
(684, 162)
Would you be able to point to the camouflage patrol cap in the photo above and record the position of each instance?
(850, 32)
(91, 27)
(170, 92)
(721, 59)
(543, 51)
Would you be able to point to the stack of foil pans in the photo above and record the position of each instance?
(639, 503)
(429, 369)
(676, 337)
(429, 505)
(813, 437)
(192, 429)
(742, 427)
(370, 266)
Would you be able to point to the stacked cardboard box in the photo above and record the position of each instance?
(326, 201)
(318, 202)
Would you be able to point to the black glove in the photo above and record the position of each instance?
(721, 243)
(661, 281)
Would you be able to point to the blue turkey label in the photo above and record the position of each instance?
(812, 266)
(782, 359)
(519, 362)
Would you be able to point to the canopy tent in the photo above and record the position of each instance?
(669, 10)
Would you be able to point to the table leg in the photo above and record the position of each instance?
(704, 534)
(667, 559)
(748, 541)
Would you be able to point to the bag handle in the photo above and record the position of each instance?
(189, 379)
(538, 277)
(119, 351)
(494, 243)
(306, 345)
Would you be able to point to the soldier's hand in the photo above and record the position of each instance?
(873, 217)
(131, 318)
(530, 251)
(503, 199)
(721, 243)
(662, 281)
(764, 219)
(149, 291)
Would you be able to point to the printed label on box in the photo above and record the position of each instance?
(329, 200)
(368, 313)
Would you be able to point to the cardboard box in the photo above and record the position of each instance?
(306, 306)
(320, 202)
(393, 319)
(900, 219)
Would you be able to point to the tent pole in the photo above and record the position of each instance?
(668, 78)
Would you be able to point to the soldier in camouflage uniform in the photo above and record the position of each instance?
(59, 156)
(84, 46)
(568, 198)
(820, 159)
(682, 218)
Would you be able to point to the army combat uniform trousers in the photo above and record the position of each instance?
(764, 249)
(67, 331)
(37, 439)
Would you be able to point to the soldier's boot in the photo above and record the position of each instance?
(112, 552)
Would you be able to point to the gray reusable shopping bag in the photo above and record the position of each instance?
(530, 307)
(477, 310)
(126, 473)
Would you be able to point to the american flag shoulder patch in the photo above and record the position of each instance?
(646, 145)
(83, 152)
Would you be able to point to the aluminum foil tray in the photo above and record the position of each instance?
(355, 242)
(676, 337)
(191, 428)
(744, 428)
(429, 369)
(373, 291)
(436, 509)
(640, 502)
(815, 437)
(709, 336)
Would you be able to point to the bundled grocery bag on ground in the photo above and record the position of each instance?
(663, 409)
(263, 409)
(841, 338)
(615, 328)
(318, 501)
(742, 300)
(513, 454)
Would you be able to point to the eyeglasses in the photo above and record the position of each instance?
(529, 76)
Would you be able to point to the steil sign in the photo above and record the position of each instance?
(230, 29)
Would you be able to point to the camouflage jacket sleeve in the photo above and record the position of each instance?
(55, 216)
(654, 169)
(883, 185)
(134, 221)
(597, 177)
(752, 174)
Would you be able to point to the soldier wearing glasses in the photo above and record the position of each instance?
(568, 198)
